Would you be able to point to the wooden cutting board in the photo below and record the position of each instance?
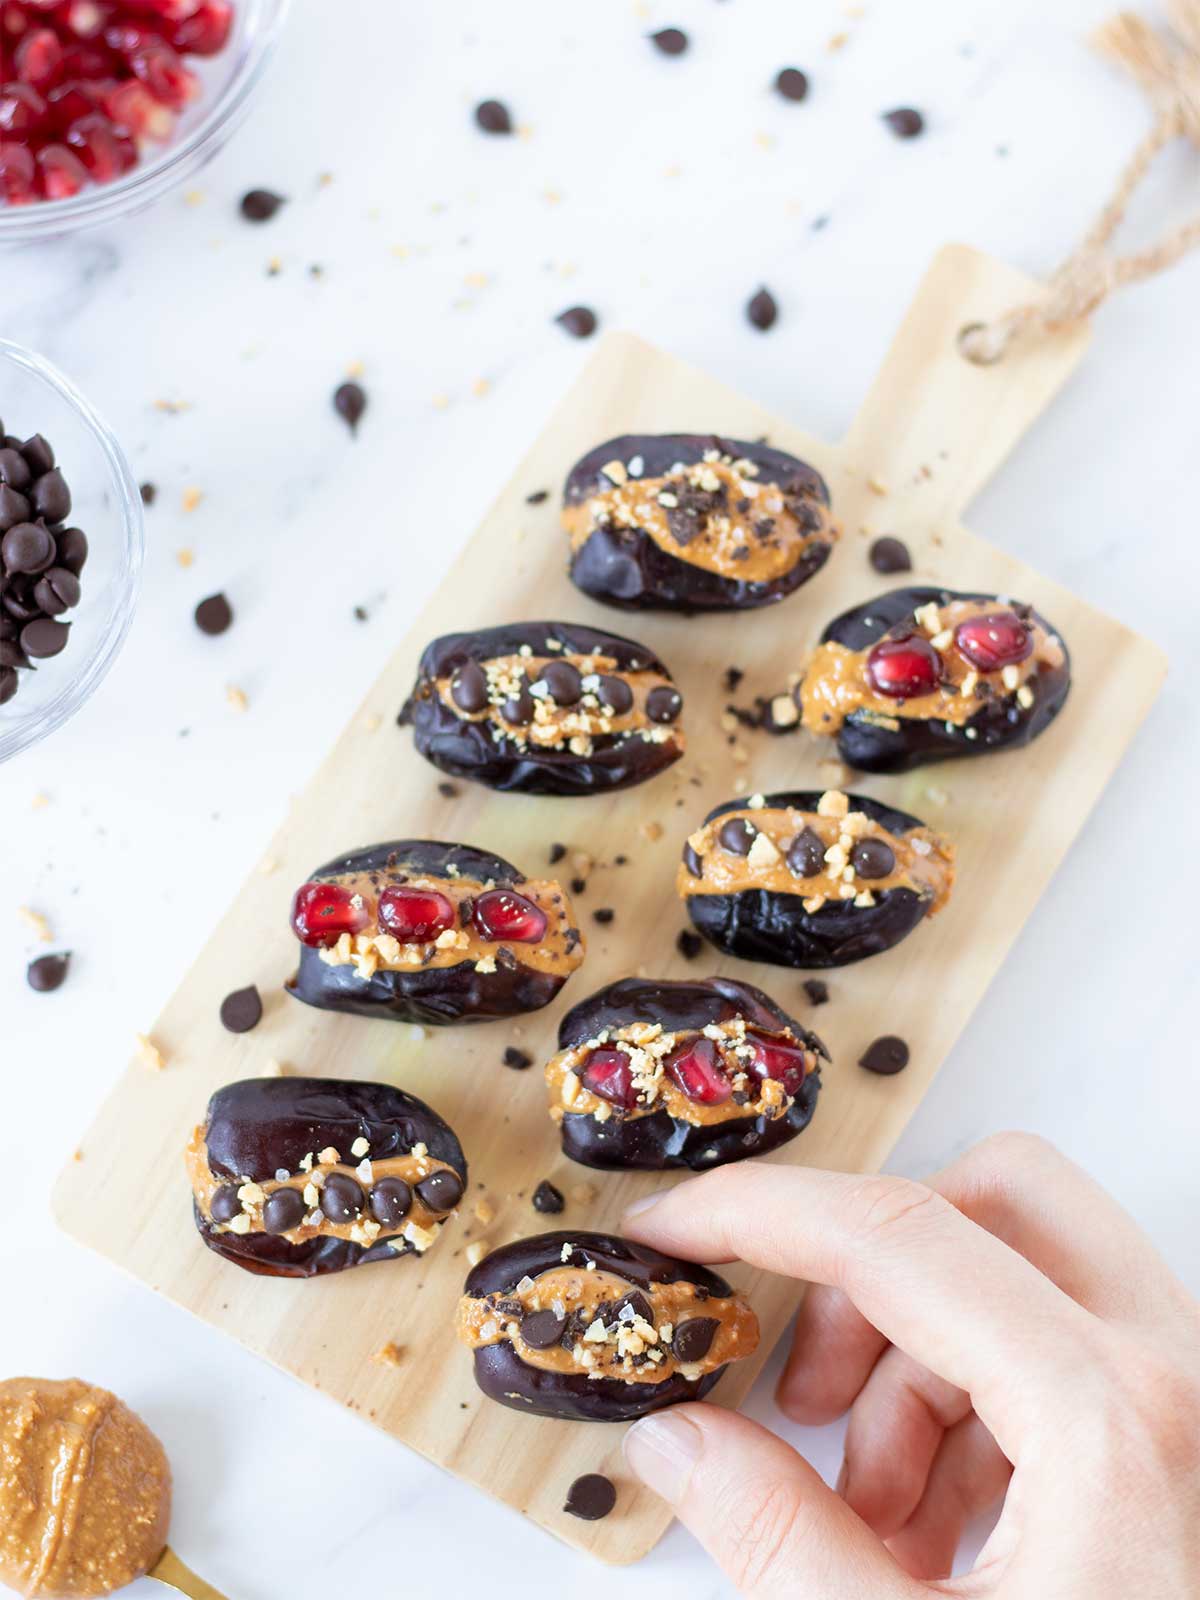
(932, 430)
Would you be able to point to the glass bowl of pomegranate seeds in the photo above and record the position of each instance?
(107, 104)
(71, 545)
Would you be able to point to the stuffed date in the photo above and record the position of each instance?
(298, 1177)
(545, 708)
(655, 1074)
(803, 879)
(594, 1328)
(692, 522)
(419, 931)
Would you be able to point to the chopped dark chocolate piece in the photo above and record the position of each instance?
(817, 991)
(149, 493)
(242, 1010)
(547, 1198)
(889, 554)
(604, 915)
(518, 1060)
(689, 944)
(537, 497)
(557, 852)
(885, 1056)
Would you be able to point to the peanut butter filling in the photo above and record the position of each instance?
(922, 861)
(611, 1328)
(85, 1490)
(647, 1046)
(713, 514)
(560, 950)
(834, 684)
(418, 1227)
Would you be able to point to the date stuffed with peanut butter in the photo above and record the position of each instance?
(298, 1177)
(545, 708)
(921, 675)
(594, 1328)
(656, 1074)
(419, 931)
(690, 522)
(804, 879)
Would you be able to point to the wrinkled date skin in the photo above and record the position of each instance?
(259, 1126)
(434, 996)
(1001, 726)
(761, 925)
(503, 1376)
(625, 567)
(467, 750)
(658, 1140)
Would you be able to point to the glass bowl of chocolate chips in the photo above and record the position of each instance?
(71, 546)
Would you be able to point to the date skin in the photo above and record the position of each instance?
(659, 1141)
(262, 1125)
(504, 1377)
(760, 925)
(624, 567)
(466, 749)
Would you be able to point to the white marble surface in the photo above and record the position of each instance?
(1087, 1034)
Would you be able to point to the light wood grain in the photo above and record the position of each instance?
(931, 431)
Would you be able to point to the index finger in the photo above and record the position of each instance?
(936, 1284)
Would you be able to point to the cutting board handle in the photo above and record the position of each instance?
(174, 1574)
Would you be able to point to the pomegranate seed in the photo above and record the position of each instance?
(13, 20)
(133, 106)
(70, 101)
(412, 915)
(775, 1058)
(22, 109)
(164, 74)
(207, 31)
(16, 174)
(322, 912)
(501, 914)
(996, 639)
(105, 151)
(87, 20)
(695, 1069)
(608, 1073)
(39, 58)
(62, 172)
(900, 668)
(87, 62)
(126, 37)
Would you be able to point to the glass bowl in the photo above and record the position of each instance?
(107, 505)
(229, 81)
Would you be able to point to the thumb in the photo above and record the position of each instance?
(770, 1522)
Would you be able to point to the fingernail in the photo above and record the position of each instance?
(644, 1204)
(662, 1450)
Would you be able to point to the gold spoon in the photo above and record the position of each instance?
(173, 1574)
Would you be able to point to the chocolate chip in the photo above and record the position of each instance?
(548, 1199)
(593, 1496)
(350, 401)
(27, 547)
(72, 549)
(733, 677)
(469, 687)
(578, 885)
(615, 694)
(149, 493)
(542, 1329)
(519, 708)
(8, 684)
(225, 1204)
(563, 682)
(283, 1210)
(14, 508)
(14, 469)
(689, 944)
(693, 1338)
(242, 1010)
(391, 1201)
(57, 591)
(792, 84)
(664, 703)
(448, 790)
(693, 862)
(50, 496)
(579, 321)
(762, 310)
(341, 1198)
(816, 990)
(737, 835)
(885, 1056)
(637, 1303)
(260, 205)
(492, 116)
(557, 852)
(889, 554)
(604, 915)
(904, 122)
(537, 497)
(806, 854)
(873, 858)
(48, 972)
(440, 1191)
(39, 457)
(671, 41)
(518, 1060)
(214, 615)
(44, 638)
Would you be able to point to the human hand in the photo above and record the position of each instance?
(1005, 1327)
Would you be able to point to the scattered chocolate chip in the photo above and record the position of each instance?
(39, 456)
(149, 493)
(693, 1338)
(260, 205)
(904, 122)
(27, 547)
(440, 1191)
(806, 854)
(563, 682)
(448, 790)
(518, 1060)
(72, 549)
(736, 836)
(469, 687)
(671, 41)
(889, 554)
(578, 321)
(341, 1198)
(762, 311)
(47, 973)
(615, 695)
(548, 1199)
(519, 708)
(540, 1330)
(604, 915)
(817, 991)
(537, 497)
(214, 615)
(492, 116)
(225, 1204)
(44, 638)
(350, 402)
(873, 858)
(693, 862)
(792, 84)
(663, 704)
(283, 1210)
(242, 1010)
(593, 1496)
(885, 1056)
(578, 885)
(557, 852)
(689, 944)
(57, 591)
(391, 1201)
